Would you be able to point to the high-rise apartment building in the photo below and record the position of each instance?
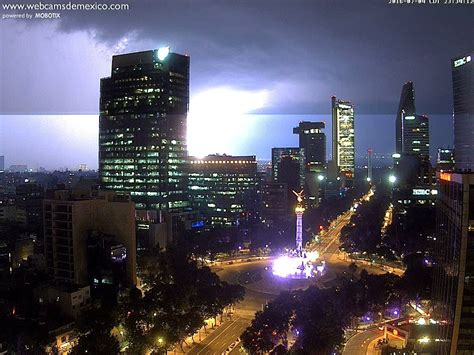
(72, 218)
(463, 105)
(453, 284)
(223, 188)
(142, 128)
(343, 139)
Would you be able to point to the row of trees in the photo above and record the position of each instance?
(332, 207)
(316, 318)
(411, 230)
(179, 297)
(363, 233)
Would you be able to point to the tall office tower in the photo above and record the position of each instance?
(453, 281)
(463, 104)
(406, 107)
(224, 188)
(445, 159)
(296, 154)
(343, 141)
(72, 217)
(412, 130)
(142, 129)
(2, 163)
(313, 140)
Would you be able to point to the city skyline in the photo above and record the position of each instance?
(78, 139)
(239, 64)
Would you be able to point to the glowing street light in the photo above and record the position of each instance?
(320, 177)
(392, 179)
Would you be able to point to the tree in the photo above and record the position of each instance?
(95, 332)
(179, 297)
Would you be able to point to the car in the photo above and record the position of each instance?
(230, 262)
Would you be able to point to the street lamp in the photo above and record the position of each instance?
(392, 179)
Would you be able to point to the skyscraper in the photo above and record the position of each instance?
(142, 128)
(453, 281)
(463, 105)
(412, 130)
(313, 140)
(343, 140)
(405, 108)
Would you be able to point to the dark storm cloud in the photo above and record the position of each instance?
(360, 50)
(302, 51)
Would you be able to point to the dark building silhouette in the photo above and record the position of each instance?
(463, 106)
(313, 140)
(142, 128)
(445, 159)
(297, 154)
(406, 107)
(274, 202)
(69, 218)
(453, 283)
(412, 130)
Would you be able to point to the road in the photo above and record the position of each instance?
(364, 343)
(256, 297)
(221, 338)
(360, 343)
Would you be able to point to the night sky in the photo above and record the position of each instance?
(280, 59)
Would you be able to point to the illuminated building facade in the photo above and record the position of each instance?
(343, 140)
(453, 281)
(223, 188)
(142, 129)
(463, 105)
